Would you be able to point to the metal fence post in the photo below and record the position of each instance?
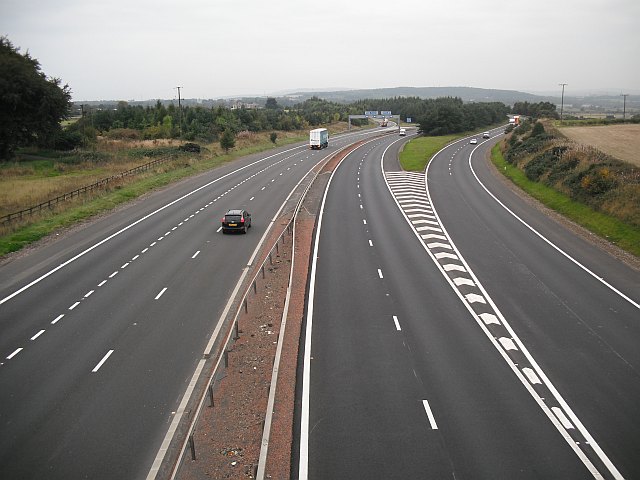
(192, 444)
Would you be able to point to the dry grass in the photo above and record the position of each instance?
(35, 180)
(619, 141)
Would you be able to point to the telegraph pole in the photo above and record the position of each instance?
(562, 101)
(624, 105)
(179, 112)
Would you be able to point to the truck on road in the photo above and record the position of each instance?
(318, 138)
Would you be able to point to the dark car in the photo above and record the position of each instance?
(236, 221)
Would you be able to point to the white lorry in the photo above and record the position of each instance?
(318, 138)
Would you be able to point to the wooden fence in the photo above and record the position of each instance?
(87, 188)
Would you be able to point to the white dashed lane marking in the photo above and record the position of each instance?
(159, 239)
(417, 208)
(101, 362)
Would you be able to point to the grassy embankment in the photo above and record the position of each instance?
(417, 153)
(623, 235)
(36, 179)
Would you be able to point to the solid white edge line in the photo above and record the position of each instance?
(550, 415)
(157, 463)
(550, 243)
(432, 419)
(565, 406)
(303, 465)
(104, 359)
(140, 220)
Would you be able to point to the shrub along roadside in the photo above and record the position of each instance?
(621, 234)
(35, 230)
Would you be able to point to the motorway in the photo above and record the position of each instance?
(455, 331)
(102, 329)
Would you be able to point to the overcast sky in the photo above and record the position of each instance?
(143, 49)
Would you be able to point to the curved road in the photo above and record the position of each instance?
(102, 330)
(447, 339)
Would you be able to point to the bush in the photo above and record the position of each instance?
(528, 146)
(539, 165)
(123, 134)
(190, 147)
(67, 140)
(593, 182)
(153, 152)
(538, 129)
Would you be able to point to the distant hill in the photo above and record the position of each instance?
(467, 94)
(572, 103)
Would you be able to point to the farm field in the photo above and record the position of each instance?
(619, 141)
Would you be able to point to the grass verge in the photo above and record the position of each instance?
(85, 208)
(416, 154)
(624, 236)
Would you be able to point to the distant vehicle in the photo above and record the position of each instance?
(473, 141)
(384, 122)
(486, 135)
(403, 132)
(236, 221)
(318, 138)
(515, 120)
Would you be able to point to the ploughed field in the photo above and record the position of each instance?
(619, 141)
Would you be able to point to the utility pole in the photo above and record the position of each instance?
(562, 101)
(179, 112)
(84, 133)
(624, 105)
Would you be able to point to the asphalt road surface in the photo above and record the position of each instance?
(454, 333)
(101, 330)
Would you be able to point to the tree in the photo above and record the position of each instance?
(31, 105)
(273, 137)
(228, 140)
(271, 104)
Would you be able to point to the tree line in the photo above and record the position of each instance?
(204, 124)
(32, 107)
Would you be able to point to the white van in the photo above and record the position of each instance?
(403, 132)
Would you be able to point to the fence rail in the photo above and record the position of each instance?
(87, 188)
